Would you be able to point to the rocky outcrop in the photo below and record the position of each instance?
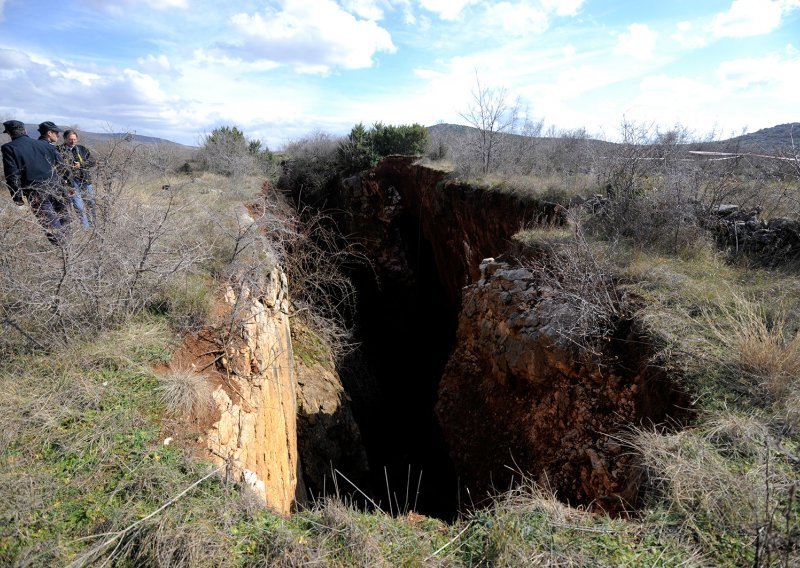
(768, 242)
(519, 399)
(256, 434)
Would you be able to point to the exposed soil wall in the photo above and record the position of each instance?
(518, 398)
(463, 224)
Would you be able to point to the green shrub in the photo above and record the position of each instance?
(388, 139)
(363, 149)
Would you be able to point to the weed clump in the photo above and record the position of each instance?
(186, 393)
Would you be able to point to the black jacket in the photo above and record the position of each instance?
(28, 162)
(80, 154)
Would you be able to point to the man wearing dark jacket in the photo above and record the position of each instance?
(81, 161)
(31, 169)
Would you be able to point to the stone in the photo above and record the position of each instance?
(256, 436)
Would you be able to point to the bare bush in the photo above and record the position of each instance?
(226, 151)
(578, 275)
(312, 167)
(316, 261)
(94, 279)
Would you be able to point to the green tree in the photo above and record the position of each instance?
(363, 149)
(355, 153)
(402, 139)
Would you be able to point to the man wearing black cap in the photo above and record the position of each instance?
(31, 169)
(48, 132)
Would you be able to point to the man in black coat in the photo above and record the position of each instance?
(31, 169)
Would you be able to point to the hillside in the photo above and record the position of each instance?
(94, 138)
(780, 139)
(776, 140)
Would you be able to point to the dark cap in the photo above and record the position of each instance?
(48, 127)
(12, 126)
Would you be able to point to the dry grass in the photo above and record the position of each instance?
(186, 393)
(691, 478)
(758, 342)
(441, 165)
(546, 238)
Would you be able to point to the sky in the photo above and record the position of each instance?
(282, 70)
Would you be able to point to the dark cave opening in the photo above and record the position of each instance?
(406, 327)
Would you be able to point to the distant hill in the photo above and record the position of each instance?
(776, 140)
(92, 138)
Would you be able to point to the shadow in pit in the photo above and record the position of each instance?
(406, 329)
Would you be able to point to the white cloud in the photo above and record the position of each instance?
(155, 64)
(716, 101)
(638, 42)
(670, 100)
(446, 9)
(687, 37)
(562, 7)
(313, 36)
(35, 89)
(427, 74)
(773, 74)
(84, 78)
(13, 59)
(367, 9)
(120, 6)
(576, 80)
(517, 19)
(750, 18)
(235, 66)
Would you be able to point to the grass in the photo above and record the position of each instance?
(546, 238)
(185, 392)
(729, 334)
(83, 462)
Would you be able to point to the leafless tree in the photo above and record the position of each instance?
(492, 114)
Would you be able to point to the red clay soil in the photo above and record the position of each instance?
(200, 353)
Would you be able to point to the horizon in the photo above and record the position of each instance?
(177, 69)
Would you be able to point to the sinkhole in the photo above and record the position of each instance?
(447, 425)
(406, 328)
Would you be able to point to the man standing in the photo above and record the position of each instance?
(80, 159)
(31, 170)
(48, 132)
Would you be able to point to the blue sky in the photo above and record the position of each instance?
(282, 69)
